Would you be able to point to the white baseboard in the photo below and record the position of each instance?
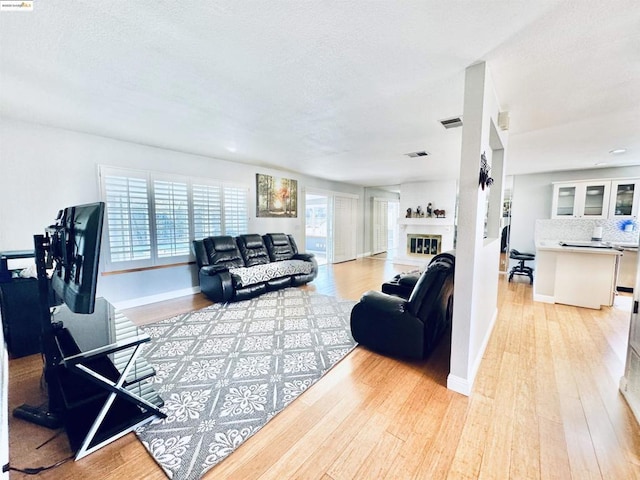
(363, 255)
(543, 298)
(410, 261)
(137, 302)
(458, 384)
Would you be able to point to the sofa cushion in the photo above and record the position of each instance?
(262, 273)
(278, 246)
(294, 245)
(223, 252)
(253, 250)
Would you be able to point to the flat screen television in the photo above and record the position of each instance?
(74, 253)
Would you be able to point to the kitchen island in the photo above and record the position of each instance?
(584, 276)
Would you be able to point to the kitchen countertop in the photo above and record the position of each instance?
(554, 245)
(626, 245)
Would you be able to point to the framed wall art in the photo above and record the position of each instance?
(276, 196)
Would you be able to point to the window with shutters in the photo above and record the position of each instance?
(172, 218)
(127, 215)
(207, 210)
(236, 212)
(152, 218)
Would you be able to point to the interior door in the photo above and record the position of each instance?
(393, 214)
(345, 211)
(380, 224)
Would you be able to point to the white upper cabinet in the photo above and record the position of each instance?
(589, 199)
(625, 198)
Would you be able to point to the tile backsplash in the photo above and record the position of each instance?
(583, 229)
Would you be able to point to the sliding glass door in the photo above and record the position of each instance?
(316, 225)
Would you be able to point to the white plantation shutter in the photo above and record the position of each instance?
(236, 212)
(207, 210)
(172, 218)
(127, 216)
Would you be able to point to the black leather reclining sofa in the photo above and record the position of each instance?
(238, 268)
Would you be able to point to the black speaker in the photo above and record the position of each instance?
(19, 306)
(5, 274)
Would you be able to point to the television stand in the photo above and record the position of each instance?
(101, 381)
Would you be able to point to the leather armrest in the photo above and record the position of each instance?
(304, 256)
(217, 286)
(409, 279)
(383, 303)
(212, 270)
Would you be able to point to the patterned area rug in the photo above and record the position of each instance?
(226, 370)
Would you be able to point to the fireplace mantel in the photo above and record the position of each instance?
(426, 221)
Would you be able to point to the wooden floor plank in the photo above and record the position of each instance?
(582, 458)
(378, 462)
(554, 460)
(496, 460)
(303, 449)
(438, 459)
(525, 447)
(471, 448)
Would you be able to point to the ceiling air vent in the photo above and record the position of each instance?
(417, 154)
(451, 122)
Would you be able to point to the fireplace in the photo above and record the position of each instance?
(423, 244)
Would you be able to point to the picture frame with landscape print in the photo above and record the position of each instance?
(276, 196)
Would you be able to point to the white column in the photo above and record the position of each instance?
(477, 258)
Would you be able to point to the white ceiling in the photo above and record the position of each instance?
(334, 89)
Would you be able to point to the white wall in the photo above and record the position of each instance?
(441, 194)
(45, 169)
(532, 196)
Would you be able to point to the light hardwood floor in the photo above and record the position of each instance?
(545, 405)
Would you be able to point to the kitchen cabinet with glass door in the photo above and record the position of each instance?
(625, 198)
(588, 199)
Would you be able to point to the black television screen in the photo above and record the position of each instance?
(75, 253)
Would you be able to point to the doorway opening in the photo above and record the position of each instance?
(393, 213)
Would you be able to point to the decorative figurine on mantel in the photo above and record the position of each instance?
(439, 213)
(419, 212)
(409, 215)
(429, 210)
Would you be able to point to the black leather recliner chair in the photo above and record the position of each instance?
(410, 328)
